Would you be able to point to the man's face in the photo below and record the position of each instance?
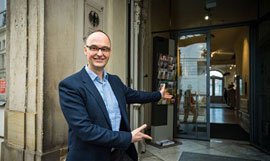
(97, 50)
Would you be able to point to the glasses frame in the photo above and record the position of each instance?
(103, 49)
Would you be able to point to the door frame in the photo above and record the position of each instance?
(175, 36)
(252, 44)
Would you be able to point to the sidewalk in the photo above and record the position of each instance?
(228, 148)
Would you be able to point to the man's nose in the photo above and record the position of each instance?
(99, 52)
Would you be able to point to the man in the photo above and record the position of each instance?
(94, 105)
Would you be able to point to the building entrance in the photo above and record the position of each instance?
(213, 87)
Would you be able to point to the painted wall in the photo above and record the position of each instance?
(241, 49)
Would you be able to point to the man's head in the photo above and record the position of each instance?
(97, 50)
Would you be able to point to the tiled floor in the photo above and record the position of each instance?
(223, 115)
(220, 114)
(215, 147)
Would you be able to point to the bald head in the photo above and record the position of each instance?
(98, 33)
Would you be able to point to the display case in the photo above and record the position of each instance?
(164, 71)
(166, 75)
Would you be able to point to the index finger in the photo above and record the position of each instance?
(141, 128)
(164, 86)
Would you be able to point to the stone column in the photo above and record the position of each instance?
(24, 114)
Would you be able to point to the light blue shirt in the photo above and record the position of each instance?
(108, 97)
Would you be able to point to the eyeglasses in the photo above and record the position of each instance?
(94, 48)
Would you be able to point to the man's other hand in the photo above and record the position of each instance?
(137, 135)
(164, 93)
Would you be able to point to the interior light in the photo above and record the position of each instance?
(230, 68)
(206, 17)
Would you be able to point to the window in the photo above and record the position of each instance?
(216, 73)
(3, 8)
(216, 83)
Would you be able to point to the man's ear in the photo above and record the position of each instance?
(85, 50)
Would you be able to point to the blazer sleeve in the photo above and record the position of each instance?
(74, 110)
(134, 96)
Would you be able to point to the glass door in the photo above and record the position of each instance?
(193, 86)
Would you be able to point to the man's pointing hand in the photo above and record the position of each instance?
(137, 135)
(164, 93)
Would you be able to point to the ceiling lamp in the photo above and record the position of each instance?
(206, 17)
(209, 4)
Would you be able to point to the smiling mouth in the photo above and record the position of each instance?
(99, 59)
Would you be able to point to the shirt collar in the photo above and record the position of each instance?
(94, 76)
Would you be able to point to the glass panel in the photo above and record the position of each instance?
(192, 121)
(211, 87)
(3, 19)
(3, 5)
(218, 87)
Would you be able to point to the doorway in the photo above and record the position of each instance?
(229, 83)
(216, 86)
(218, 91)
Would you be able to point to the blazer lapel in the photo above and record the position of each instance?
(117, 95)
(89, 84)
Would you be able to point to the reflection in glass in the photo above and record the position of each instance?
(211, 87)
(3, 19)
(192, 86)
(218, 87)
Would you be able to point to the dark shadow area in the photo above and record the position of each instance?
(188, 156)
(228, 131)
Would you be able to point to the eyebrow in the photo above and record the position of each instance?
(99, 47)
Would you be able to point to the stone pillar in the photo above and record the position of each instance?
(24, 114)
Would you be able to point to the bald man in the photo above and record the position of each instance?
(94, 105)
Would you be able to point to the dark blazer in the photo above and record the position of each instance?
(90, 136)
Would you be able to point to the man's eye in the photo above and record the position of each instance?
(93, 48)
(105, 49)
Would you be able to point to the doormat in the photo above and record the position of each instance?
(189, 156)
(162, 147)
(228, 131)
